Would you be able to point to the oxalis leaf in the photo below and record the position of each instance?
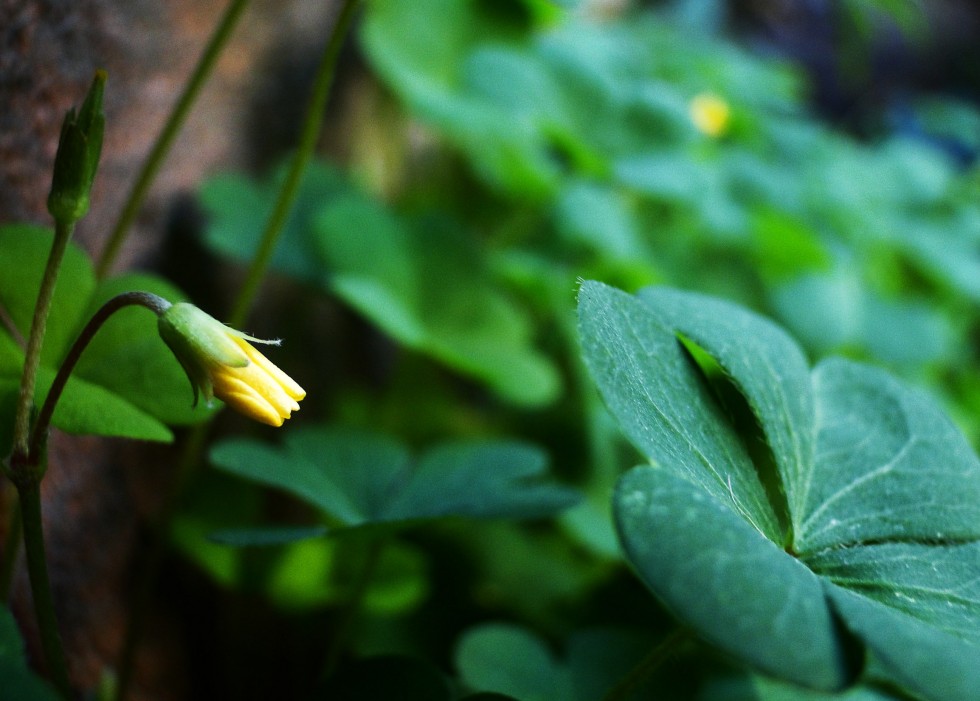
(872, 533)
(361, 479)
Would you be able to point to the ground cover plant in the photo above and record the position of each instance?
(608, 370)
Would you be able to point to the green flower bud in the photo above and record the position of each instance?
(78, 156)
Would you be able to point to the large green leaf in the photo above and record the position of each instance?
(127, 382)
(767, 365)
(359, 479)
(662, 403)
(883, 495)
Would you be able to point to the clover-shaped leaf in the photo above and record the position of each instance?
(871, 534)
(361, 479)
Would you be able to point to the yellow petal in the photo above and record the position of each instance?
(287, 383)
(254, 408)
(245, 399)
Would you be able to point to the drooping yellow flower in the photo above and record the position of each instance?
(220, 362)
(710, 114)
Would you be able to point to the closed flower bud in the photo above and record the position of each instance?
(77, 159)
(220, 362)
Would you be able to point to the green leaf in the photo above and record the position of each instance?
(24, 252)
(883, 494)
(360, 478)
(424, 283)
(662, 404)
(510, 660)
(438, 55)
(266, 537)
(507, 659)
(720, 575)
(766, 364)
(600, 218)
(238, 206)
(88, 409)
(889, 465)
(316, 573)
(923, 658)
(759, 688)
(19, 682)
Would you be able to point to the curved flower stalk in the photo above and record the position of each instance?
(220, 362)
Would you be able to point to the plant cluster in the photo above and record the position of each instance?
(791, 365)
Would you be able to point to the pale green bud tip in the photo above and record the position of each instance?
(77, 160)
(220, 362)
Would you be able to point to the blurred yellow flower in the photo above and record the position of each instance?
(220, 362)
(710, 114)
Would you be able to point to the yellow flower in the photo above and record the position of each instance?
(220, 362)
(710, 114)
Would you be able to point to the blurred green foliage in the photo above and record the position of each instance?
(528, 146)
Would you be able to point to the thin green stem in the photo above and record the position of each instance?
(312, 124)
(647, 666)
(32, 354)
(166, 137)
(154, 303)
(30, 501)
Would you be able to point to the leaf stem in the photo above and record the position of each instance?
(166, 137)
(30, 504)
(647, 666)
(312, 124)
